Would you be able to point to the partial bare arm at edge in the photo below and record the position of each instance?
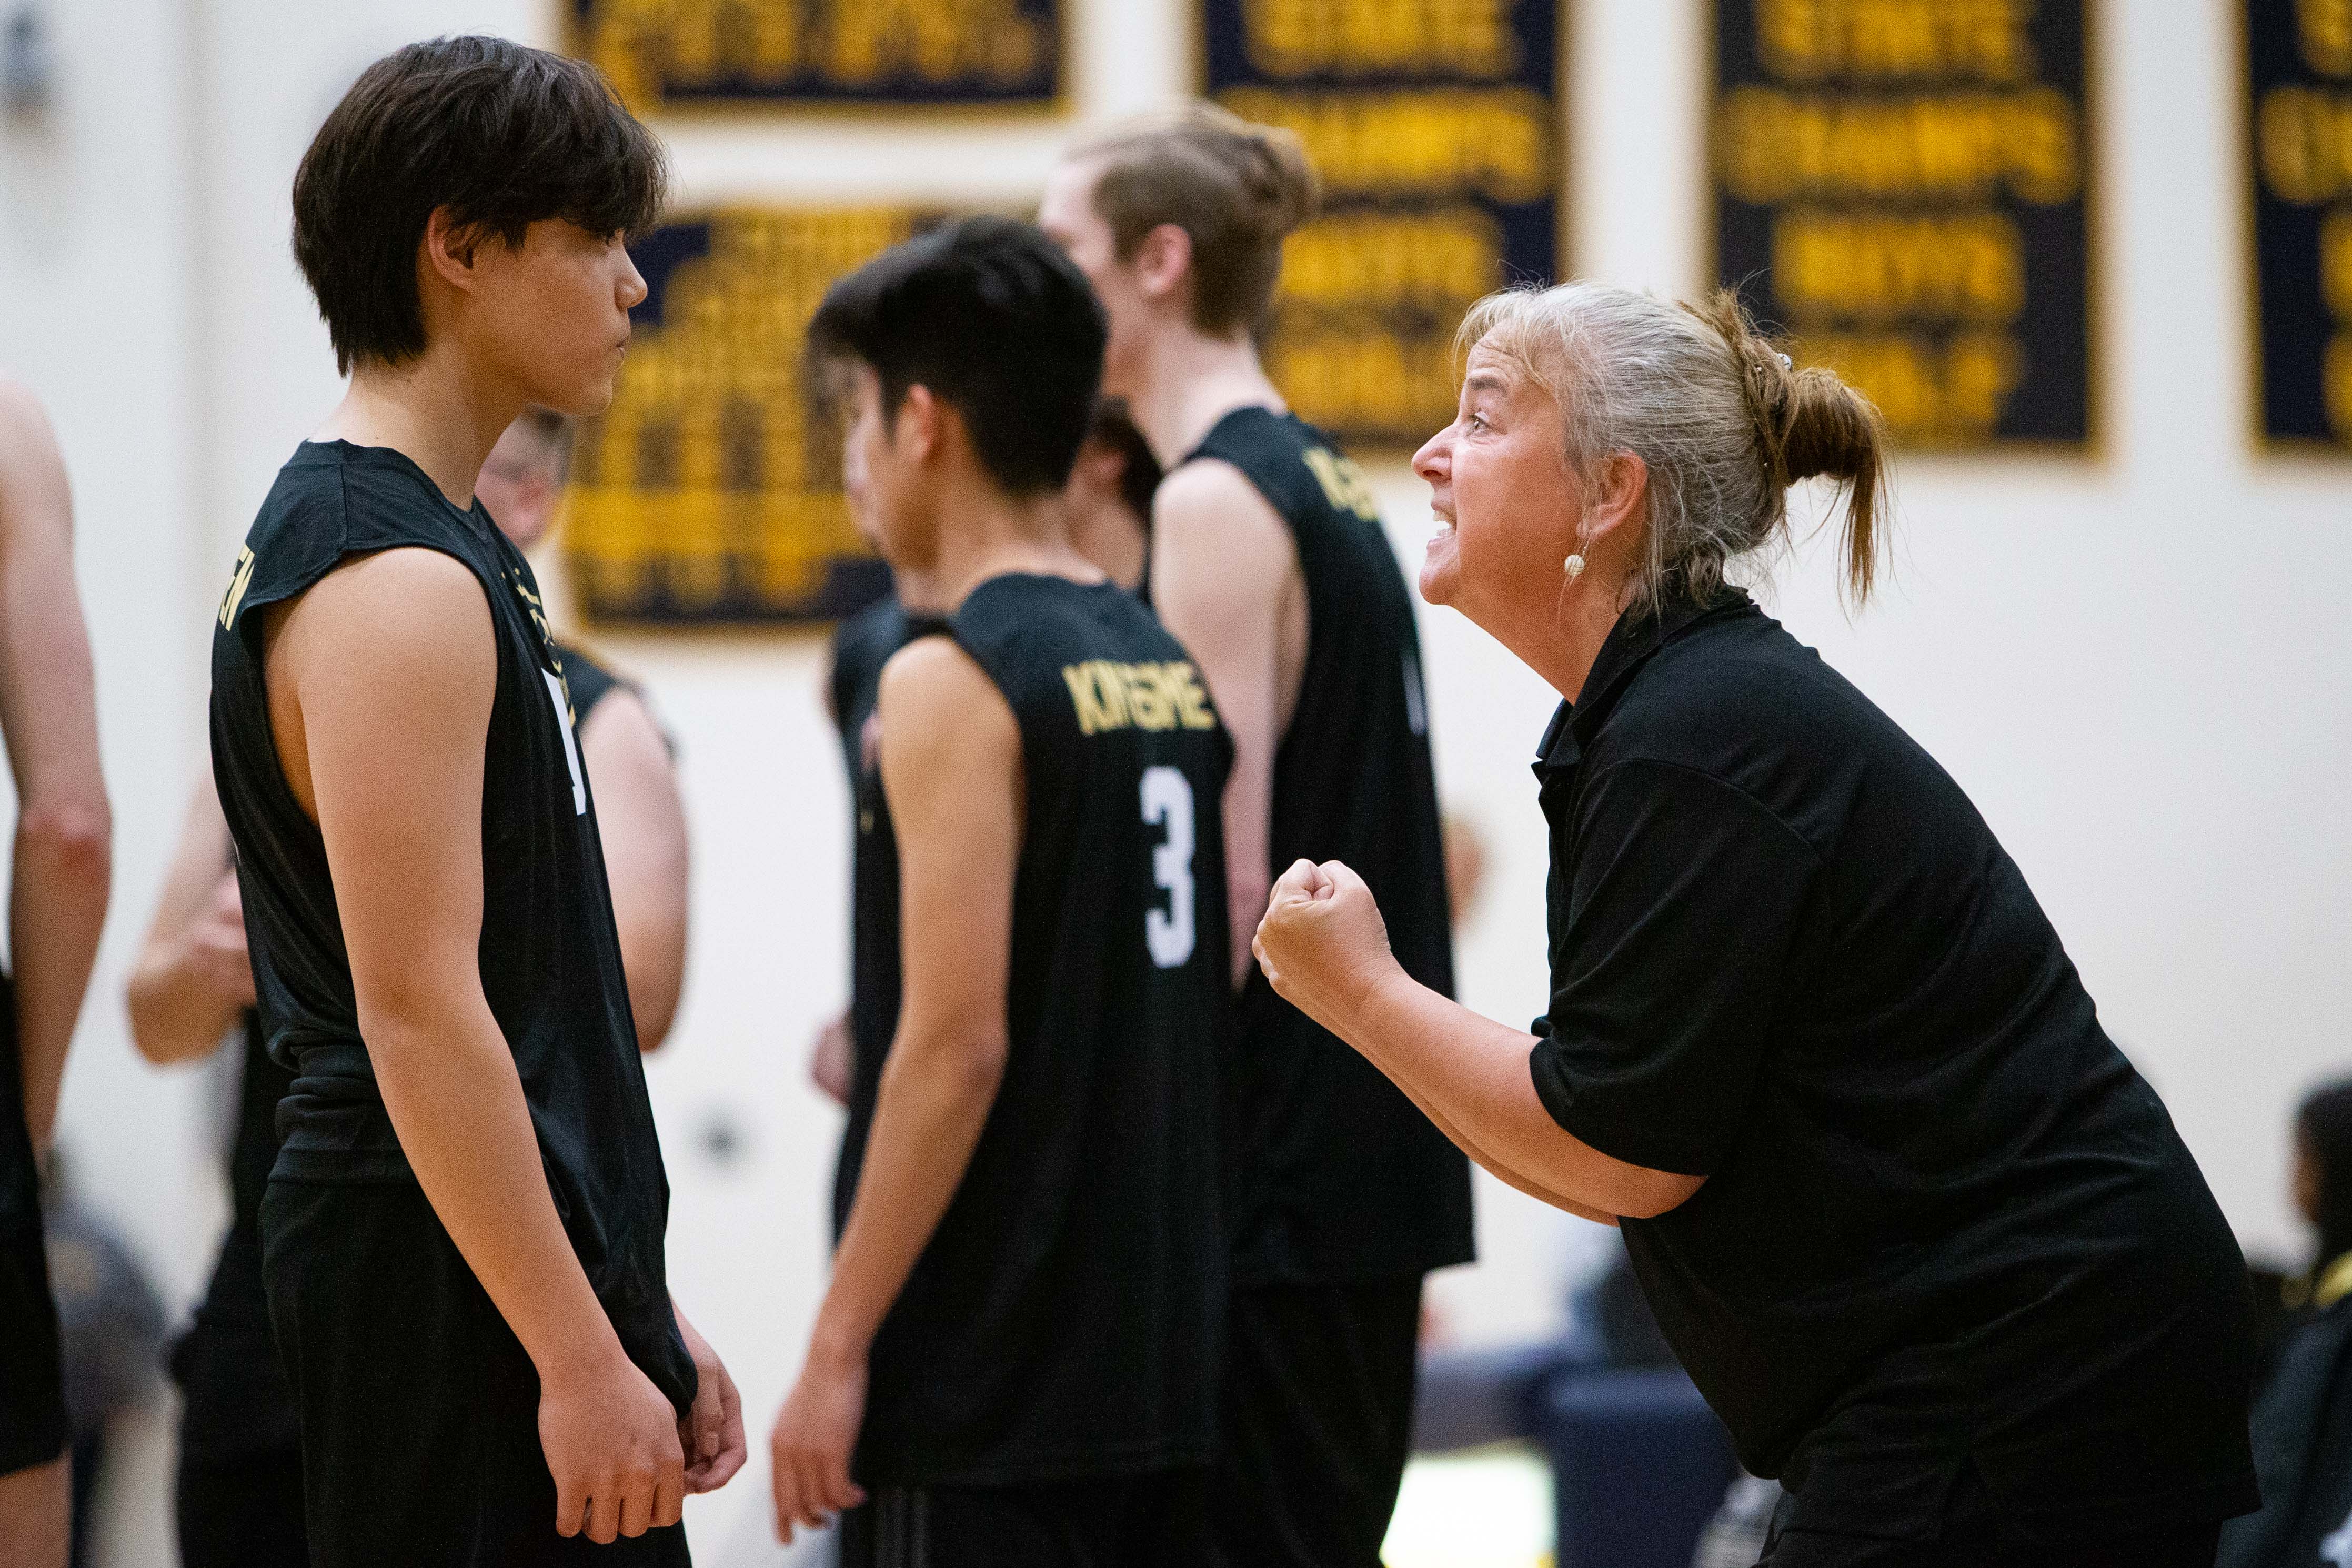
(642, 821)
(63, 866)
(181, 995)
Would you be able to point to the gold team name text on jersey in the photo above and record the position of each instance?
(1113, 696)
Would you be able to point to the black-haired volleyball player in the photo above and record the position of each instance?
(1013, 1363)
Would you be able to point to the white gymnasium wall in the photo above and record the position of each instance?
(2136, 663)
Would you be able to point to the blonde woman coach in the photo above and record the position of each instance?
(1929, 1246)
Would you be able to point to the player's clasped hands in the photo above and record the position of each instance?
(611, 1443)
(711, 1435)
(1322, 941)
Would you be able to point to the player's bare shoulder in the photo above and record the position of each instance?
(936, 703)
(1207, 514)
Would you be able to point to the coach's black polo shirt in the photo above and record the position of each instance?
(1945, 1222)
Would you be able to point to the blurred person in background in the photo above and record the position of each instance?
(640, 816)
(60, 876)
(2303, 1421)
(1929, 1244)
(111, 1325)
(239, 1491)
(1270, 565)
(1109, 504)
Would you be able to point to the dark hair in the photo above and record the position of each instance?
(1113, 429)
(2324, 1126)
(1236, 189)
(990, 316)
(501, 135)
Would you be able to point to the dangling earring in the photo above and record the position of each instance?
(1575, 564)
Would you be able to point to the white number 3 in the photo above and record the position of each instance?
(1167, 798)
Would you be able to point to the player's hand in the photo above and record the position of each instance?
(216, 944)
(829, 1060)
(712, 1433)
(1323, 943)
(610, 1439)
(815, 1433)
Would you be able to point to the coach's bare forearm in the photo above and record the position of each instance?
(1471, 1073)
(1500, 1169)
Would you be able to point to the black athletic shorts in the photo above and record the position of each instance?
(1317, 1422)
(420, 1408)
(32, 1380)
(32, 1377)
(1978, 1534)
(1154, 1520)
(241, 1510)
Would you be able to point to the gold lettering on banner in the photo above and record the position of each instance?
(1433, 128)
(1899, 149)
(651, 46)
(1363, 38)
(1888, 268)
(1773, 146)
(1494, 142)
(1806, 40)
(2339, 384)
(2305, 144)
(707, 476)
(2325, 29)
(1949, 393)
(1439, 260)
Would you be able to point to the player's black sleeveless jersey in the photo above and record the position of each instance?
(551, 958)
(1339, 1176)
(861, 647)
(1063, 1320)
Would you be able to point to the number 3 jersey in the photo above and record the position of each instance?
(1063, 1320)
(550, 956)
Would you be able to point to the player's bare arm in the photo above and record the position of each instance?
(1225, 581)
(404, 842)
(62, 866)
(642, 821)
(1325, 948)
(195, 975)
(951, 764)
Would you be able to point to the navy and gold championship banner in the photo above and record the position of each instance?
(1436, 133)
(1902, 185)
(2299, 82)
(664, 55)
(711, 490)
